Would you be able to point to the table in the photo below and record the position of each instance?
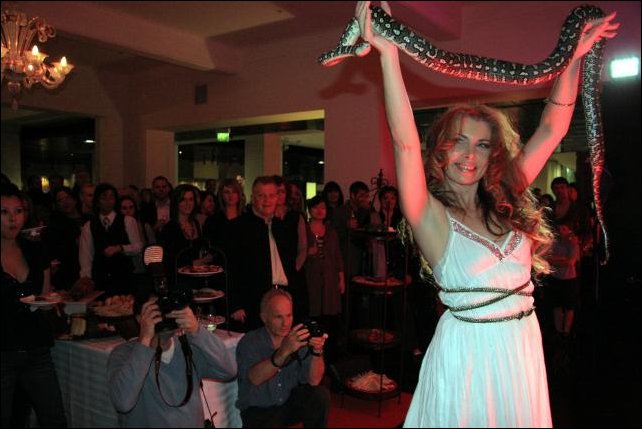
(81, 367)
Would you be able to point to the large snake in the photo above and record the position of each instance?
(493, 70)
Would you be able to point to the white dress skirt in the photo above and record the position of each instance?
(483, 374)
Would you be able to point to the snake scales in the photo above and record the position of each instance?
(494, 70)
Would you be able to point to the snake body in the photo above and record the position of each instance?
(494, 70)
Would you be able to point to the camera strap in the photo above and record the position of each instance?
(187, 353)
(208, 423)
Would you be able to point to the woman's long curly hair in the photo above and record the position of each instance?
(503, 193)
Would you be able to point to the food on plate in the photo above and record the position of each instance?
(42, 300)
(374, 336)
(50, 297)
(200, 269)
(209, 293)
(102, 327)
(115, 306)
(370, 381)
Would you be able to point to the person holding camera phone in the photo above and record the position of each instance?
(154, 379)
(280, 369)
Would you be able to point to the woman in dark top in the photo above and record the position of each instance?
(230, 206)
(26, 336)
(333, 197)
(324, 274)
(181, 237)
(61, 238)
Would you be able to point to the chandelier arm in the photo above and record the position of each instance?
(23, 67)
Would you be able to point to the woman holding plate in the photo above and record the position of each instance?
(26, 336)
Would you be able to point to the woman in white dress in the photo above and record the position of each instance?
(478, 227)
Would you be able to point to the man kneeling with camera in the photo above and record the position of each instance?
(280, 368)
(154, 379)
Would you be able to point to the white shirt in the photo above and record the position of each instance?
(278, 274)
(86, 246)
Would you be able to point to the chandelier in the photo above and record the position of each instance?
(23, 65)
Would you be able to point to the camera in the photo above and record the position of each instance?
(313, 327)
(174, 299)
(168, 301)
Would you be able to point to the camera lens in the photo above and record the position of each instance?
(313, 328)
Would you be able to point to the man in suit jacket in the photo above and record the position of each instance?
(261, 255)
(156, 213)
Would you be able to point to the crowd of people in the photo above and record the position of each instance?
(94, 239)
(297, 250)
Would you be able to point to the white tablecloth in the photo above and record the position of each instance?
(81, 367)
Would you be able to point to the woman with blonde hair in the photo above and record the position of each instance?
(231, 203)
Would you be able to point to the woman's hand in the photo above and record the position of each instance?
(364, 15)
(593, 31)
(112, 250)
(82, 287)
(239, 316)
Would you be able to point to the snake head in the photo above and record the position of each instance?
(362, 49)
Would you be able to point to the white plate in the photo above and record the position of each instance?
(33, 232)
(41, 303)
(201, 270)
(207, 295)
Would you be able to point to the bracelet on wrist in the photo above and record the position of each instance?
(551, 101)
(317, 354)
(273, 362)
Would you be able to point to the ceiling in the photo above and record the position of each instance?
(85, 34)
(208, 35)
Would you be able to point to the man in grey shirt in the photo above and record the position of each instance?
(280, 368)
(139, 398)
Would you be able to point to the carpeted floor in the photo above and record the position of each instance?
(594, 376)
(361, 413)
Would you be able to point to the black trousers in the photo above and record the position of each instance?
(307, 404)
(33, 373)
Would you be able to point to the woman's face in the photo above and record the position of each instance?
(333, 197)
(207, 208)
(186, 205)
(469, 155)
(13, 217)
(65, 203)
(230, 196)
(281, 194)
(127, 208)
(389, 201)
(318, 212)
(295, 194)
